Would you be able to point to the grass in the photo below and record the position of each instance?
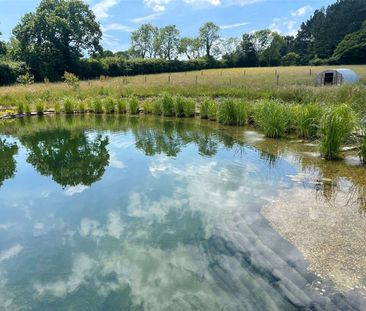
(40, 107)
(212, 111)
(336, 125)
(204, 108)
(98, 106)
(308, 120)
(133, 105)
(167, 105)
(69, 105)
(362, 146)
(109, 105)
(232, 112)
(272, 118)
(121, 106)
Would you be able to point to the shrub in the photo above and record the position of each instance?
(71, 79)
(133, 105)
(212, 111)
(272, 118)
(336, 125)
(204, 109)
(97, 105)
(69, 105)
(20, 107)
(57, 108)
(179, 103)
(109, 105)
(189, 108)
(40, 107)
(308, 120)
(121, 106)
(167, 105)
(26, 79)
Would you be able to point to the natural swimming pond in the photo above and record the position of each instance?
(143, 213)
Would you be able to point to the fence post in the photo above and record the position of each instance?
(145, 79)
(310, 71)
(196, 79)
(169, 79)
(278, 79)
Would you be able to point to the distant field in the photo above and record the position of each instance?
(293, 84)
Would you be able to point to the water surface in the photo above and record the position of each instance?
(117, 213)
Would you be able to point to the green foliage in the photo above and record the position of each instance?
(167, 105)
(272, 118)
(11, 70)
(81, 106)
(336, 125)
(133, 105)
(148, 106)
(362, 147)
(98, 105)
(179, 103)
(308, 120)
(156, 107)
(69, 105)
(121, 105)
(20, 107)
(27, 108)
(71, 79)
(109, 105)
(189, 107)
(204, 109)
(232, 112)
(26, 79)
(40, 107)
(57, 108)
(212, 111)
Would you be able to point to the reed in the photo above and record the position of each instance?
(121, 105)
(308, 120)
(204, 108)
(97, 106)
(133, 105)
(212, 111)
(189, 108)
(109, 105)
(20, 107)
(167, 105)
(69, 105)
(179, 103)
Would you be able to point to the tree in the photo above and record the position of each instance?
(209, 36)
(246, 55)
(190, 47)
(167, 42)
(2, 47)
(53, 39)
(7, 161)
(142, 41)
(290, 59)
(267, 45)
(352, 49)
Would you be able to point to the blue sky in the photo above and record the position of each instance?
(120, 17)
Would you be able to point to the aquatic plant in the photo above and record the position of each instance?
(121, 105)
(40, 107)
(27, 108)
(189, 108)
(336, 125)
(227, 112)
(308, 120)
(271, 118)
(204, 109)
(179, 103)
(109, 105)
(97, 105)
(212, 111)
(69, 105)
(20, 107)
(148, 106)
(81, 107)
(57, 108)
(362, 146)
(133, 105)
(167, 105)
(156, 107)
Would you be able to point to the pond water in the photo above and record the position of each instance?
(118, 213)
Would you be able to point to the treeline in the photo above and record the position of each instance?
(59, 33)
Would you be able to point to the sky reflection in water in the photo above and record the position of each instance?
(129, 214)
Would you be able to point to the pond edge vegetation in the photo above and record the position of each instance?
(333, 125)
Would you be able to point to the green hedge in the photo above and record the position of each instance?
(10, 70)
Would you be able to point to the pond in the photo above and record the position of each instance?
(143, 213)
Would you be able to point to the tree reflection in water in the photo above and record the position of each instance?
(7, 161)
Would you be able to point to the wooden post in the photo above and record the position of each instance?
(169, 79)
(276, 72)
(145, 79)
(278, 79)
(202, 73)
(196, 79)
(310, 71)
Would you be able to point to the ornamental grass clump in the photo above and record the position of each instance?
(148, 106)
(189, 108)
(133, 105)
(212, 111)
(156, 107)
(308, 120)
(20, 107)
(121, 106)
(69, 105)
(271, 118)
(336, 126)
(57, 108)
(179, 103)
(27, 108)
(109, 105)
(232, 112)
(167, 105)
(81, 107)
(97, 105)
(40, 107)
(204, 109)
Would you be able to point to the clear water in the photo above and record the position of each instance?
(144, 214)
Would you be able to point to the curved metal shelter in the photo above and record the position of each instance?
(336, 77)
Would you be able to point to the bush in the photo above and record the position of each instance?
(97, 105)
(121, 106)
(71, 79)
(109, 105)
(40, 107)
(272, 118)
(336, 125)
(167, 105)
(212, 111)
(10, 70)
(26, 79)
(69, 105)
(308, 120)
(133, 105)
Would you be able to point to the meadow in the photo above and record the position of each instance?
(281, 101)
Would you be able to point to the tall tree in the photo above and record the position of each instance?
(52, 39)
(2, 46)
(143, 39)
(209, 36)
(190, 47)
(167, 42)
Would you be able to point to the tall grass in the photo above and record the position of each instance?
(109, 105)
(308, 120)
(69, 105)
(121, 105)
(148, 106)
(189, 107)
(179, 103)
(204, 109)
(20, 107)
(133, 105)
(336, 125)
(232, 112)
(272, 118)
(167, 105)
(27, 108)
(97, 105)
(156, 107)
(81, 107)
(40, 107)
(212, 110)
(362, 146)
(57, 108)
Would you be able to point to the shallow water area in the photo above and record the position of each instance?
(143, 213)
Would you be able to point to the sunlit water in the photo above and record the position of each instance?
(144, 214)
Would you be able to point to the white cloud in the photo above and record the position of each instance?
(157, 5)
(101, 8)
(233, 25)
(116, 27)
(11, 252)
(114, 162)
(302, 11)
(284, 26)
(144, 19)
(217, 3)
(71, 190)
